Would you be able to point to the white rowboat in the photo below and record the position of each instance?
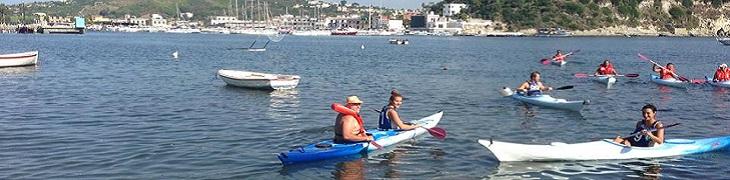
(256, 80)
(19, 59)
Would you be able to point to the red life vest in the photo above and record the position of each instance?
(603, 69)
(722, 75)
(347, 111)
(665, 73)
(559, 57)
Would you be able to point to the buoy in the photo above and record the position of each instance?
(174, 55)
(362, 46)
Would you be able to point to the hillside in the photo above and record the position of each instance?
(699, 16)
(118, 8)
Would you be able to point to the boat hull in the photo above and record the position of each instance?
(256, 80)
(333, 150)
(19, 59)
(559, 63)
(724, 41)
(725, 84)
(605, 80)
(548, 101)
(600, 150)
(669, 82)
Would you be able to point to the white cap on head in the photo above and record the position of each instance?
(723, 65)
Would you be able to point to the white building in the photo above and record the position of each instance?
(138, 21)
(396, 25)
(158, 21)
(453, 9)
(220, 20)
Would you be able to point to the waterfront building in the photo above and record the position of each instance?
(452, 9)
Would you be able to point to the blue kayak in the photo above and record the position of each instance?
(329, 150)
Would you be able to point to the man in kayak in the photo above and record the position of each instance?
(533, 86)
(350, 128)
(558, 57)
(389, 118)
(667, 72)
(606, 68)
(652, 131)
(722, 73)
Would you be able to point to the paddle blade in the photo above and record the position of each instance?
(545, 61)
(437, 132)
(698, 81)
(642, 57)
(631, 75)
(564, 88)
(581, 75)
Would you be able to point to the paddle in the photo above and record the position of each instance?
(437, 132)
(564, 88)
(583, 75)
(547, 61)
(642, 57)
(653, 129)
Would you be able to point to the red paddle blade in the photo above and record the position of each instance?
(581, 75)
(377, 146)
(642, 57)
(437, 132)
(545, 61)
(698, 81)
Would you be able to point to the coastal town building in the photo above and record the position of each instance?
(343, 22)
(452, 9)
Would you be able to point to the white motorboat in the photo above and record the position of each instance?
(724, 40)
(19, 59)
(256, 80)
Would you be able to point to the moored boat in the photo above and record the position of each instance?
(724, 40)
(606, 80)
(19, 59)
(256, 80)
(329, 150)
(600, 150)
(669, 82)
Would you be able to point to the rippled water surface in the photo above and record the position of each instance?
(115, 105)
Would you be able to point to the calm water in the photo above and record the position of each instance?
(115, 105)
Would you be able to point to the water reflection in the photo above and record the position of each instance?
(350, 170)
(645, 169)
(284, 104)
(13, 71)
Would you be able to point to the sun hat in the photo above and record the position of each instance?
(353, 100)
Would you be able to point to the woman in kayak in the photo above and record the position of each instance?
(652, 131)
(349, 128)
(606, 68)
(558, 57)
(667, 72)
(389, 118)
(722, 73)
(534, 86)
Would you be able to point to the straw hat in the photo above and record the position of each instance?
(353, 100)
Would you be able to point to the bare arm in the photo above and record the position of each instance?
(545, 88)
(523, 87)
(349, 125)
(659, 137)
(393, 116)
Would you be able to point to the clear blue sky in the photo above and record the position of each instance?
(408, 4)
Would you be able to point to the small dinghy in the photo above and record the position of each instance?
(19, 59)
(256, 80)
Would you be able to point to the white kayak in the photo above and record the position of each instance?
(559, 63)
(600, 150)
(606, 80)
(545, 100)
(725, 84)
(669, 82)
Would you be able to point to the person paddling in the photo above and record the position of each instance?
(349, 128)
(389, 118)
(651, 130)
(667, 72)
(606, 68)
(559, 57)
(722, 73)
(533, 86)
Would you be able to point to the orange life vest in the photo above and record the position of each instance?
(559, 57)
(665, 73)
(347, 111)
(603, 69)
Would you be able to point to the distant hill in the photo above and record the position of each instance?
(200, 8)
(595, 14)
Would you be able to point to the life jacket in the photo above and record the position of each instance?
(641, 140)
(722, 75)
(559, 57)
(347, 111)
(384, 123)
(533, 89)
(603, 69)
(665, 73)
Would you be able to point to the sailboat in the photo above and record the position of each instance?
(253, 49)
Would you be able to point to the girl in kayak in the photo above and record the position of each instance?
(722, 73)
(667, 72)
(558, 57)
(534, 86)
(652, 131)
(389, 118)
(349, 128)
(606, 68)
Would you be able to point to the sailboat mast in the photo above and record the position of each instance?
(237, 15)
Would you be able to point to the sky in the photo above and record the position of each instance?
(408, 4)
